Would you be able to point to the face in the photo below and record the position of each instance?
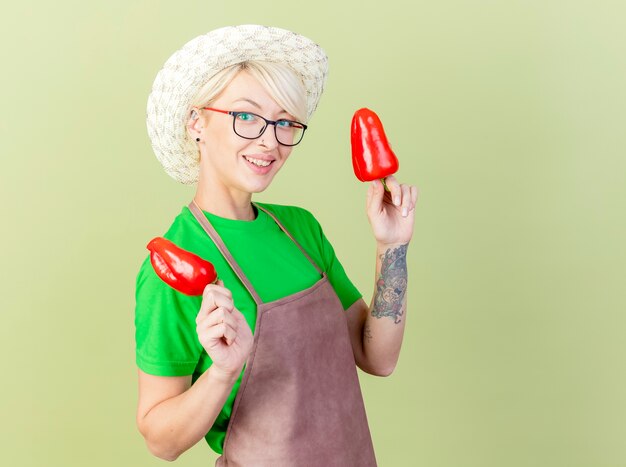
(228, 161)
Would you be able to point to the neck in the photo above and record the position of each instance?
(226, 203)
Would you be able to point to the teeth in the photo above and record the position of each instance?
(258, 162)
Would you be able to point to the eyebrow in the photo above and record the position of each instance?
(250, 101)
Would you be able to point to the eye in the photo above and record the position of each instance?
(246, 117)
(288, 124)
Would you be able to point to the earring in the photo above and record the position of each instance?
(197, 139)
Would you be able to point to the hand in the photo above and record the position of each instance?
(223, 331)
(391, 214)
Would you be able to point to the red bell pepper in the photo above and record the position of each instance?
(372, 157)
(180, 269)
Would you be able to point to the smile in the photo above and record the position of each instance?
(258, 162)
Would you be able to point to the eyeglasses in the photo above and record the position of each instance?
(249, 125)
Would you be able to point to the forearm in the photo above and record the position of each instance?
(384, 324)
(176, 424)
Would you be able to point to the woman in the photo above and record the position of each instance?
(226, 111)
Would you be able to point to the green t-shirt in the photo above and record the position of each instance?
(165, 327)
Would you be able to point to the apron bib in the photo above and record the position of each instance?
(299, 403)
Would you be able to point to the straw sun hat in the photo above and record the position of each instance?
(188, 69)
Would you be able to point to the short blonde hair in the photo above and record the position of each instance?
(278, 79)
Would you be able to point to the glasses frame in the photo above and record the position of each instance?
(267, 122)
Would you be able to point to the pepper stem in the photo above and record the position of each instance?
(385, 185)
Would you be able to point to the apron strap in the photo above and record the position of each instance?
(282, 227)
(210, 230)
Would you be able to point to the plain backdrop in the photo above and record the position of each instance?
(508, 115)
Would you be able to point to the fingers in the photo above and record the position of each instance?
(239, 318)
(406, 205)
(414, 195)
(403, 197)
(222, 329)
(395, 189)
(219, 323)
(216, 336)
(215, 296)
(375, 195)
(214, 320)
(217, 316)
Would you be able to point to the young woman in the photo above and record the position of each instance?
(262, 365)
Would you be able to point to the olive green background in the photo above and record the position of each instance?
(509, 116)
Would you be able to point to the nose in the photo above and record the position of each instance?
(268, 137)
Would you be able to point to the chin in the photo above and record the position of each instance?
(259, 189)
(260, 185)
(256, 187)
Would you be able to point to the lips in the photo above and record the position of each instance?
(259, 162)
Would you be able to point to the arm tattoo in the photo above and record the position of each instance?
(391, 285)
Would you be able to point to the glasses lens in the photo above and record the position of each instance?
(288, 132)
(249, 125)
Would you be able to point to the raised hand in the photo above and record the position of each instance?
(223, 330)
(391, 214)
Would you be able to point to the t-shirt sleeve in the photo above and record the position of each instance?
(344, 288)
(165, 330)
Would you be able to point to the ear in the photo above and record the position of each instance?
(194, 123)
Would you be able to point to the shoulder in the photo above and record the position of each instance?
(184, 229)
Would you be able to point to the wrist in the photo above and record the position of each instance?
(223, 376)
(383, 247)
